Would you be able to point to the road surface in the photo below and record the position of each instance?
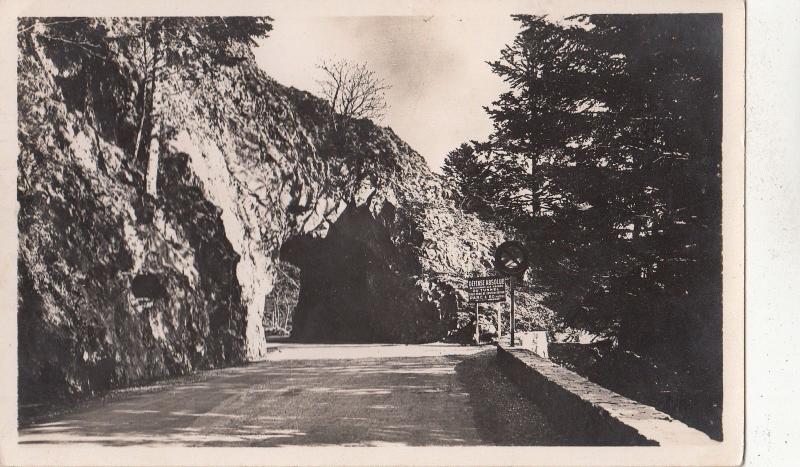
(362, 395)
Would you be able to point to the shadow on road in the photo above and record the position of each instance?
(418, 401)
(502, 413)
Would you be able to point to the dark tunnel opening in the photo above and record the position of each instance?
(356, 286)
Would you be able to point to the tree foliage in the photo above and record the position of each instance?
(281, 302)
(605, 157)
(119, 67)
(468, 174)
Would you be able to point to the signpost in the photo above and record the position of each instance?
(511, 259)
(485, 290)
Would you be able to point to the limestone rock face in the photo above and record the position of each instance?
(117, 286)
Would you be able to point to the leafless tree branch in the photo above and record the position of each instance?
(353, 90)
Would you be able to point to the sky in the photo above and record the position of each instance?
(436, 66)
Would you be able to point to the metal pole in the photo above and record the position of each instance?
(499, 323)
(511, 324)
(477, 325)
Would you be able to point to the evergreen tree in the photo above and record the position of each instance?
(470, 178)
(606, 154)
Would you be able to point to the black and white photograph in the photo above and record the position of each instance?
(353, 228)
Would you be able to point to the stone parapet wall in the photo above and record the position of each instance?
(591, 413)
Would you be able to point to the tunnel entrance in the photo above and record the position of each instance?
(357, 286)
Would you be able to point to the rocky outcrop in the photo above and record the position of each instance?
(116, 286)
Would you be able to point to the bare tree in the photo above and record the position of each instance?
(353, 90)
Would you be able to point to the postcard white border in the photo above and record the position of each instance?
(728, 452)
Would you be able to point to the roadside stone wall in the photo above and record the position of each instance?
(596, 415)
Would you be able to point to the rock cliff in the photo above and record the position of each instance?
(116, 286)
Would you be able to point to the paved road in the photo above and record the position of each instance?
(366, 395)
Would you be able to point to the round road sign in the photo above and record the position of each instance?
(510, 258)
